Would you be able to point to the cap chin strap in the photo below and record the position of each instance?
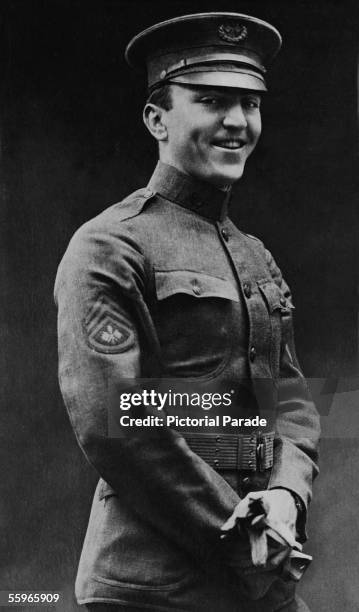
(217, 58)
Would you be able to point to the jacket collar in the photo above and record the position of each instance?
(189, 192)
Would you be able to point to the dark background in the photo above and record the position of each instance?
(72, 143)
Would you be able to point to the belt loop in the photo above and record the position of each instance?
(260, 452)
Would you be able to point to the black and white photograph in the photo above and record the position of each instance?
(179, 320)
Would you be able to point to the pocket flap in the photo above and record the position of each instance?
(196, 284)
(272, 295)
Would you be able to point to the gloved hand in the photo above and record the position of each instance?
(261, 541)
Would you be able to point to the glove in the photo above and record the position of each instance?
(261, 544)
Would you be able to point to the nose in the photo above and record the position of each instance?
(235, 117)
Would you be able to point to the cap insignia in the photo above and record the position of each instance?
(232, 32)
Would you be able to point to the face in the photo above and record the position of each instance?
(210, 132)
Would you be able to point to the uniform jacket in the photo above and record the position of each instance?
(164, 286)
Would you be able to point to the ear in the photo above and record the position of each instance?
(154, 120)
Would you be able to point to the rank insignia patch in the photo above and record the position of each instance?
(108, 331)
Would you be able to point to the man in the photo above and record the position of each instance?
(163, 287)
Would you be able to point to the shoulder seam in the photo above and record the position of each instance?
(143, 200)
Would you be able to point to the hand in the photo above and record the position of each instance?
(261, 538)
(280, 507)
(266, 520)
(261, 545)
(274, 535)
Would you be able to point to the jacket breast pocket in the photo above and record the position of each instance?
(194, 317)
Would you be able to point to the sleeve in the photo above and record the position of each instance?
(297, 422)
(101, 313)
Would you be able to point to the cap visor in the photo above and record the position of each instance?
(239, 80)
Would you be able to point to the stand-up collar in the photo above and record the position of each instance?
(189, 192)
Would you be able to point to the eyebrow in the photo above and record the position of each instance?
(225, 96)
(205, 90)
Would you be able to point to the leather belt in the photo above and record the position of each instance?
(252, 452)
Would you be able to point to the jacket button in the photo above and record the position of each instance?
(247, 290)
(252, 354)
(225, 234)
(245, 480)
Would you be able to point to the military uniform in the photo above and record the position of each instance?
(163, 289)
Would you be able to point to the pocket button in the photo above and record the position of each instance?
(247, 290)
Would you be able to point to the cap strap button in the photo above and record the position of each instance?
(196, 288)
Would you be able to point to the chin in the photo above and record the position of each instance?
(222, 179)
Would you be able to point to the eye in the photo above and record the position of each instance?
(210, 100)
(251, 102)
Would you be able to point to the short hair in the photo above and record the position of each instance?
(161, 96)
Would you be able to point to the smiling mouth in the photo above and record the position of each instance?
(232, 145)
